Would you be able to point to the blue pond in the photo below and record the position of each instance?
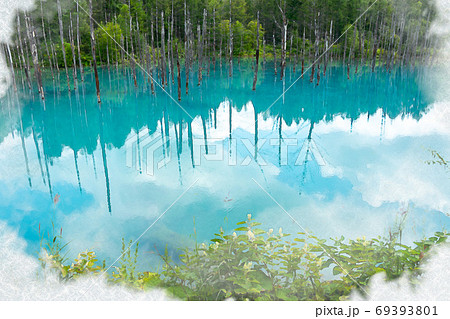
(345, 157)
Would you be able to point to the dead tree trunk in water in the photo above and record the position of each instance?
(255, 79)
(316, 47)
(328, 41)
(34, 54)
(26, 67)
(375, 47)
(61, 35)
(363, 50)
(78, 46)
(283, 27)
(231, 46)
(133, 61)
(74, 58)
(13, 74)
(150, 68)
(202, 45)
(199, 54)
(325, 60)
(107, 51)
(178, 72)
(264, 51)
(303, 52)
(20, 67)
(152, 45)
(214, 39)
(274, 54)
(357, 59)
(163, 53)
(94, 59)
(45, 41)
(186, 46)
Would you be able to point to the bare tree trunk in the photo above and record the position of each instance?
(202, 44)
(122, 58)
(325, 62)
(199, 55)
(178, 73)
(61, 35)
(296, 53)
(375, 47)
(94, 59)
(55, 62)
(13, 74)
(74, 58)
(231, 46)
(21, 67)
(328, 40)
(316, 47)
(26, 67)
(274, 54)
(363, 50)
(264, 51)
(255, 79)
(186, 47)
(303, 52)
(149, 65)
(152, 84)
(34, 54)
(163, 48)
(171, 47)
(107, 55)
(133, 61)
(282, 8)
(78, 45)
(344, 54)
(360, 52)
(153, 46)
(45, 41)
(214, 39)
(290, 48)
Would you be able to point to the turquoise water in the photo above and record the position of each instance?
(345, 157)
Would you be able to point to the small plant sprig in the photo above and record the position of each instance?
(437, 159)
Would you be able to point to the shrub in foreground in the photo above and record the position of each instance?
(255, 264)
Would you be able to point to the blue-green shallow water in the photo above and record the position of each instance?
(346, 157)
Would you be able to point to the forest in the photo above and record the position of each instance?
(162, 37)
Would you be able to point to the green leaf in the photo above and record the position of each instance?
(284, 294)
(240, 291)
(337, 270)
(327, 263)
(241, 229)
(263, 279)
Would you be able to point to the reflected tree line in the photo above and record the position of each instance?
(75, 120)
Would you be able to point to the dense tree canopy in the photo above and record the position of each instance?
(313, 18)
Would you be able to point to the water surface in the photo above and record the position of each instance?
(345, 157)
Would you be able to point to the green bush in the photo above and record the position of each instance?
(255, 264)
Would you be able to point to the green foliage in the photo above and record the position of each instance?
(52, 256)
(107, 37)
(126, 273)
(255, 264)
(114, 16)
